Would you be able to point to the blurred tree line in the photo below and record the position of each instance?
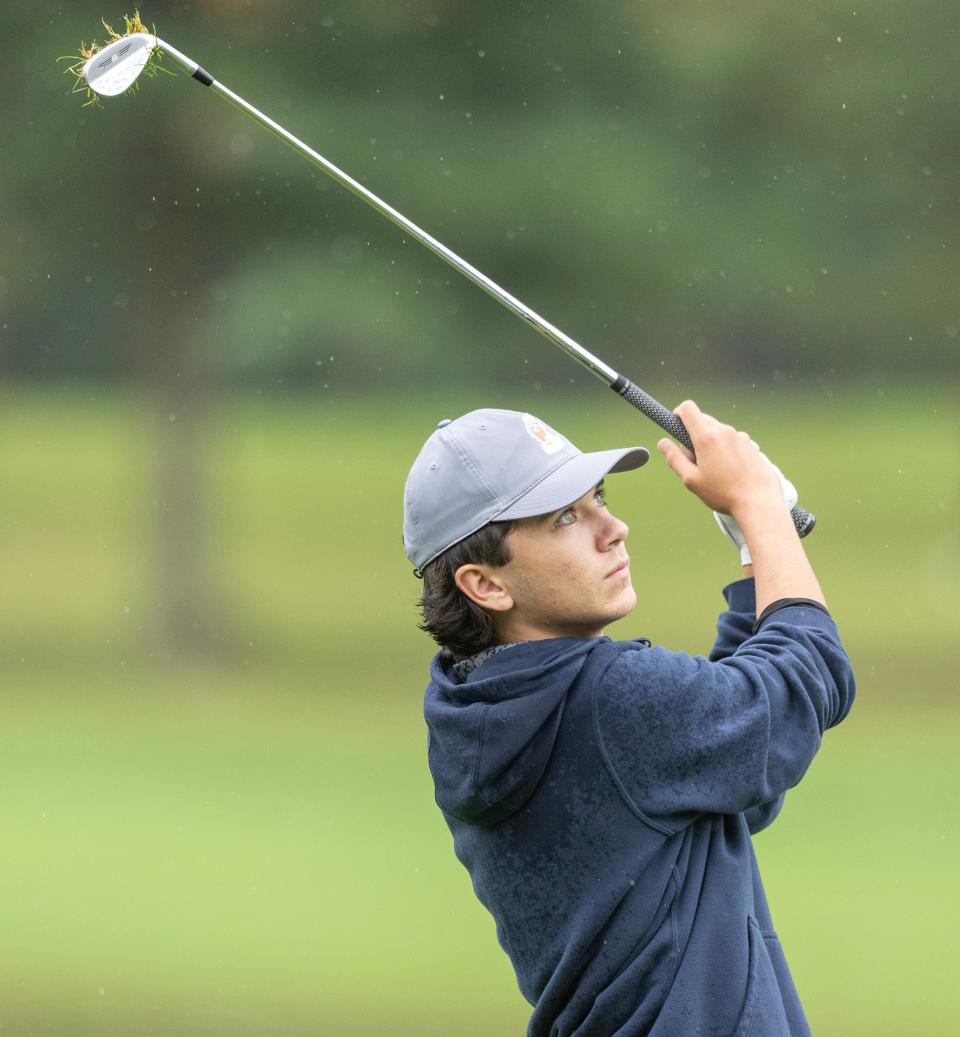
(756, 189)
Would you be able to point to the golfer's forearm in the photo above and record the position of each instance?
(780, 565)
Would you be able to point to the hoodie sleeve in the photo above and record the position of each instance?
(683, 735)
(734, 626)
(760, 817)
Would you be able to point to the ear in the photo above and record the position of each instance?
(481, 586)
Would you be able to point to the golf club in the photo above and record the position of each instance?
(115, 69)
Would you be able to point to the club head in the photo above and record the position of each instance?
(115, 68)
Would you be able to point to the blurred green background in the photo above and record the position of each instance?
(216, 367)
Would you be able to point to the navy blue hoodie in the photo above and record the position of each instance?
(602, 796)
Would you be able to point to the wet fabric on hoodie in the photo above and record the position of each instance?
(602, 796)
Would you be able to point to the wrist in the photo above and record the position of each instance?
(761, 514)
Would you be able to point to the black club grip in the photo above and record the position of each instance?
(803, 520)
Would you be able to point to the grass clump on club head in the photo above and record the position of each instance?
(132, 25)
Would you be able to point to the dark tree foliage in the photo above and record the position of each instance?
(690, 189)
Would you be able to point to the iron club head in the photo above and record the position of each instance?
(116, 67)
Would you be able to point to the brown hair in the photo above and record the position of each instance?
(460, 626)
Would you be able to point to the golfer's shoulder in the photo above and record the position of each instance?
(637, 665)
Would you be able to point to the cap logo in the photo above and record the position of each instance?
(550, 442)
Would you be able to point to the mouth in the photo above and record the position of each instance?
(620, 570)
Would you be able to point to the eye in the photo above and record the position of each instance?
(566, 518)
(600, 498)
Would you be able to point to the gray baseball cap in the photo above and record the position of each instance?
(494, 465)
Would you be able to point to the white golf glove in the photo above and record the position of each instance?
(731, 528)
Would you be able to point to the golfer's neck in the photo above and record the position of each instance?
(509, 632)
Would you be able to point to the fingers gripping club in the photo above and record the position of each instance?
(803, 520)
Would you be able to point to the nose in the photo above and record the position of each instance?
(611, 532)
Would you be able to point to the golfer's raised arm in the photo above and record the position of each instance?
(729, 475)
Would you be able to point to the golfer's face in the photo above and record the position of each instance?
(569, 573)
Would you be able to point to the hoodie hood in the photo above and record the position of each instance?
(492, 733)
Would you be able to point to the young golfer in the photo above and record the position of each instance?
(602, 794)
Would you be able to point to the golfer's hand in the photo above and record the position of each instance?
(731, 476)
(727, 472)
(731, 528)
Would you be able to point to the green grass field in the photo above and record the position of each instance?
(249, 845)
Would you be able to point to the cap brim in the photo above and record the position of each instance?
(572, 480)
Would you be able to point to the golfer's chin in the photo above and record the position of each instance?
(623, 604)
